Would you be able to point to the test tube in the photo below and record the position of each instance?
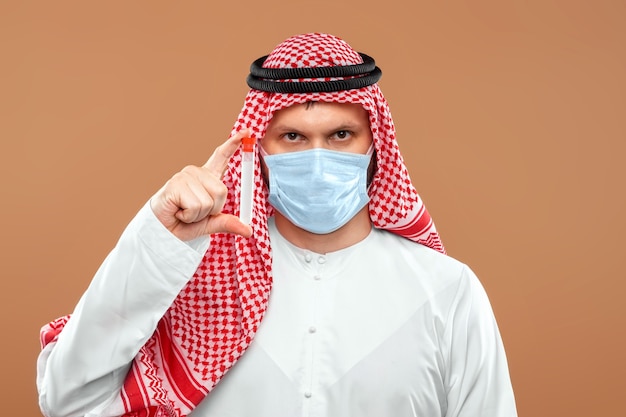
(247, 180)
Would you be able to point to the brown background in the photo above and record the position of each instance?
(511, 116)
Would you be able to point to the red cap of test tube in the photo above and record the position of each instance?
(248, 144)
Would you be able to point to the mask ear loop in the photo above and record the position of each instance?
(264, 169)
(262, 150)
(371, 168)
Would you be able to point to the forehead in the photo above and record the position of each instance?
(321, 112)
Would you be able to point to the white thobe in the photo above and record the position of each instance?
(386, 327)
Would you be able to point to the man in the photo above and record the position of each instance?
(337, 300)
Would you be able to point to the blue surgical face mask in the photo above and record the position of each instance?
(318, 190)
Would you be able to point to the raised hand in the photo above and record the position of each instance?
(190, 204)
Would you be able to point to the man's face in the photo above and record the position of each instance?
(336, 126)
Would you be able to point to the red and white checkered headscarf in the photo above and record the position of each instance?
(217, 314)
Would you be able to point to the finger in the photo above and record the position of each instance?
(218, 162)
(227, 223)
(205, 195)
(208, 197)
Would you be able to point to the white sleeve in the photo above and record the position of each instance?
(117, 314)
(477, 375)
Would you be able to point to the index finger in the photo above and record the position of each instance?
(218, 162)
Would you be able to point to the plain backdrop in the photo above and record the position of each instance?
(511, 116)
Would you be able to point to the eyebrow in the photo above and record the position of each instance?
(347, 126)
(341, 126)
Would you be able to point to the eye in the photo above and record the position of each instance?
(342, 134)
(291, 136)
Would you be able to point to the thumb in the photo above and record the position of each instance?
(227, 223)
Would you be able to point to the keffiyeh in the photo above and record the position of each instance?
(217, 314)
